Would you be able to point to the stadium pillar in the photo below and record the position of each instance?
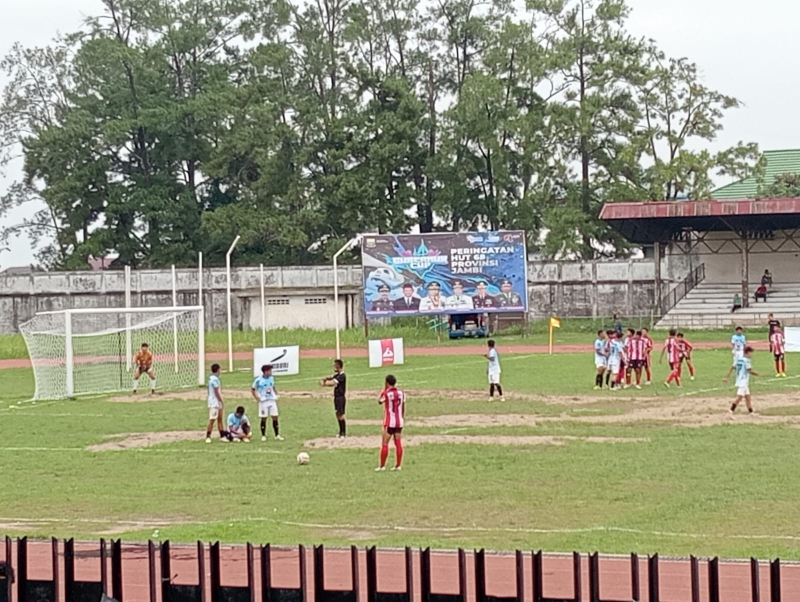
(657, 275)
(228, 299)
(745, 272)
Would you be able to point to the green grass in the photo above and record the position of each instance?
(415, 333)
(713, 490)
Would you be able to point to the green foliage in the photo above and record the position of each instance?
(162, 129)
(784, 185)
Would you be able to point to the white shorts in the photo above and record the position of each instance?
(600, 362)
(743, 390)
(267, 408)
(494, 377)
(736, 358)
(614, 366)
(213, 413)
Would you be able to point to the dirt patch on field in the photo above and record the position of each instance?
(142, 440)
(371, 442)
(461, 420)
(189, 394)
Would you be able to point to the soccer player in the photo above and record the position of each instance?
(648, 359)
(773, 324)
(600, 358)
(616, 357)
(738, 343)
(265, 393)
(610, 334)
(239, 426)
(339, 383)
(638, 352)
(144, 365)
(394, 410)
(777, 343)
(627, 343)
(215, 405)
(493, 370)
(672, 349)
(685, 350)
(744, 368)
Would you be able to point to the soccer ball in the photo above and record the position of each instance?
(303, 458)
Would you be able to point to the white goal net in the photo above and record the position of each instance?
(88, 351)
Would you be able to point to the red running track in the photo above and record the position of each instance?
(425, 351)
(614, 571)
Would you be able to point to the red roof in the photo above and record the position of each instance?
(659, 221)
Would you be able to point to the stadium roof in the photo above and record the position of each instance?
(647, 223)
(778, 162)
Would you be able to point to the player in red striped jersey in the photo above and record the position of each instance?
(394, 410)
(648, 359)
(636, 358)
(673, 357)
(777, 343)
(628, 343)
(685, 350)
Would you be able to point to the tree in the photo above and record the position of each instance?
(594, 61)
(784, 185)
(677, 110)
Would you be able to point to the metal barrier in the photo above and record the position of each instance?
(32, 585)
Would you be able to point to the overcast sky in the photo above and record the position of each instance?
(748, 51)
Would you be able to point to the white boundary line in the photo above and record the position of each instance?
(166, 523)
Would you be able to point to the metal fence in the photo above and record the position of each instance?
(159, 572)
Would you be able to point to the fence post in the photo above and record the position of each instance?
(775, 580)
(755, 585)
(713, 581)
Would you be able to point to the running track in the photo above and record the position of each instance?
(615, 573)
(472, 349)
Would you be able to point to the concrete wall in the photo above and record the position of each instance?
(303, 296)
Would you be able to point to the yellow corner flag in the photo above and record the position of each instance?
(554, 323)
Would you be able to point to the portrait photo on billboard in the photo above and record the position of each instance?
(444, 273)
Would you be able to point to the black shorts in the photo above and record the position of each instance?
(637, 364)
(339, 403)
(779, 357)
(394, 430)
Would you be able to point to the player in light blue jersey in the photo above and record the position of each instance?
(215, 405)
(239, 426)
(600, 358)
(738, 343)
(616, 357)
(266, 394)
(744, 368)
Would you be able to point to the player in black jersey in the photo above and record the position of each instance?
(339, 383)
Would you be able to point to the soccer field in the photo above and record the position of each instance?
(556, 466)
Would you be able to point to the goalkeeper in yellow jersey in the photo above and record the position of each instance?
(144, 365)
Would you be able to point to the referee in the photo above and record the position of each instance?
(339, 383)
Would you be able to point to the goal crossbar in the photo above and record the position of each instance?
(70, 338)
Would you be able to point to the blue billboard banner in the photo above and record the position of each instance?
(444, 273)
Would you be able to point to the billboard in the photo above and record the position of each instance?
(444, 273)
(284, 360)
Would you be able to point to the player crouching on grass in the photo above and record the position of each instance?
(215, 405)
(144, 365)
(744, 368)
(394, 409)
(494, 371)
(265, 393)
(239, 426)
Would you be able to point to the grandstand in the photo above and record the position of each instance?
(725, 245)
(708, 305)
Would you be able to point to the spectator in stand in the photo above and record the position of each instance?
(761, 293)
(766, 279)
(737, 302)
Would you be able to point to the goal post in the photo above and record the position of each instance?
(88, 351)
